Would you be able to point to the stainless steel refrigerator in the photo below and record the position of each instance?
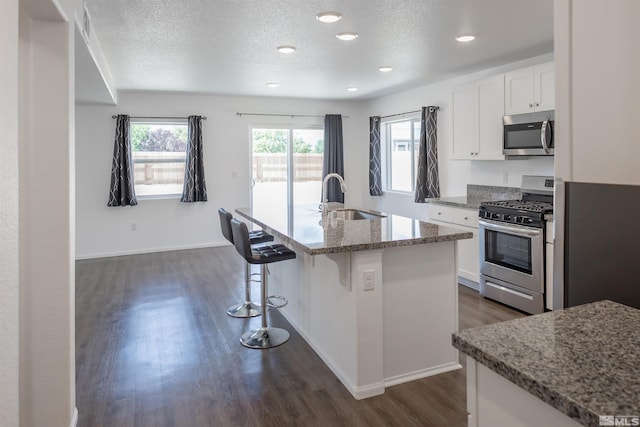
(600, 244)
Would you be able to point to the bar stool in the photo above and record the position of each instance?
(265, 336)
(247, 308)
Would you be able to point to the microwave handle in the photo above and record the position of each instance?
(543, 135)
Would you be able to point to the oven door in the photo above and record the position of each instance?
(512, 253)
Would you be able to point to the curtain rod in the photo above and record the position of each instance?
(280, 115)
(406, 112)
(151, 117)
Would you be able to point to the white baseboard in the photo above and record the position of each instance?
(469, 283)
(423, 373)
(150, 250)
(74, 418)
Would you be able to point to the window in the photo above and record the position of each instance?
(402, 144)
(287, 169)
(158, 150)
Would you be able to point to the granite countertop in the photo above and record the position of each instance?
(583, 361)
(466, 202)
(314, 233)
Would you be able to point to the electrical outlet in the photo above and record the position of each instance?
(369, 279)
(505, 177)
(234, 174)
(134, 226)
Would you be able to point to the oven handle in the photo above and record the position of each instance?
(511, 229)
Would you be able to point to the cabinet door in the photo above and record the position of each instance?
(518, 91)
(465, 122)
(469, 255)
(490, 93)
(545, 88)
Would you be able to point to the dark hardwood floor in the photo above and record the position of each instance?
(154, 347)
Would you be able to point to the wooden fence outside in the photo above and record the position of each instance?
(272, 167)
(167, 168)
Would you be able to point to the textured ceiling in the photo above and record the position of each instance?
(229, 46)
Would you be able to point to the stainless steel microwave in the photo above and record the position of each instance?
(529, 134)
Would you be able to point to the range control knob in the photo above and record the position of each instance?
(495, 216)
(506, 217)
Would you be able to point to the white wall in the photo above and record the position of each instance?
(169, 224)
(454, 174)
(9, 214)
(47, 315)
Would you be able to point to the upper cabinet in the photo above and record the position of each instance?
(530, 89)
(477, 119)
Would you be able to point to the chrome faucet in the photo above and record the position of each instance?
(343, 187)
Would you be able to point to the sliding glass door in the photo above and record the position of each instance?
(287, 170)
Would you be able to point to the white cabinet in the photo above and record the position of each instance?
(530, 89)
(468, 249)
(477, 120)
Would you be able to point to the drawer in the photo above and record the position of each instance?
(440, 213)
(466, 217)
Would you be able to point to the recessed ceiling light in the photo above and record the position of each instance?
(273, 84)
(466, 38)
(347, 36)
(352, 89)
(328, 17)
(385, 69)
(286, 49)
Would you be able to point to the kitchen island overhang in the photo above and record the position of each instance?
(375, 298)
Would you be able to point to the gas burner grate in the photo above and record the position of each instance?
(521, 205)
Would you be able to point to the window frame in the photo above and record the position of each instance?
(157, 122)
(385, 137)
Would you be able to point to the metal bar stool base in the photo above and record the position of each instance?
(264, 338)
(244, 310)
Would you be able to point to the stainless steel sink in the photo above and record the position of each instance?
(353, 214)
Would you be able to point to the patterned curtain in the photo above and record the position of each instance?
(427, 180)
(121, 190)
(375, 165)
(195, 187)
(333, 158)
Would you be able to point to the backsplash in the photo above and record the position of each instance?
(487, 192)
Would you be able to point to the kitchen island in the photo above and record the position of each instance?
(374, 294)
(564, 368)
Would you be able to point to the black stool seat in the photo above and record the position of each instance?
(270, 253)
(259, 236)
(266, 336)
(247, 308)
(257, 255)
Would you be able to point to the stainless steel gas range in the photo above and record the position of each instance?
(512, 246)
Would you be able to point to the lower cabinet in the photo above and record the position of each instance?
(468, 249)
(493, 401)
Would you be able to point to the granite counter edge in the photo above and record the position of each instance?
(555, 399)
(356, 247)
